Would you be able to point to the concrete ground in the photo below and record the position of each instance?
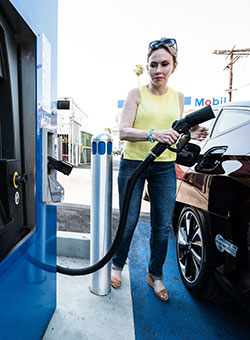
(81, 314)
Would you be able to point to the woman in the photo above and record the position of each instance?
(147, 117)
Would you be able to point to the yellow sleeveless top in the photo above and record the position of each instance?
(153, 112)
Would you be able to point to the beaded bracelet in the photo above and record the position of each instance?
(150, 136)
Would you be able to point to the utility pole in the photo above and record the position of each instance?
(235, 54)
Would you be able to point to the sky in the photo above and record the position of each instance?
(101, 41)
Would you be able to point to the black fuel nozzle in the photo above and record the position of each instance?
(183, 126)
(193, 119)
(61, 166)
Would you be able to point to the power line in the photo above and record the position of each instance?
(243, 51)
(235, 55)
(239, 87)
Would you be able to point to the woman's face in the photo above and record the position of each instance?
(160, 66)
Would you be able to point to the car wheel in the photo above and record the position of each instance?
(195, 255)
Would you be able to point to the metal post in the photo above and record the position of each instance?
(59, 148)
(101, 210)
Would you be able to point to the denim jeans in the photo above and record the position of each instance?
(161, 178)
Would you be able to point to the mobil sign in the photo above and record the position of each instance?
(202, 101)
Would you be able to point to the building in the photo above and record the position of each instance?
(74, 142)
(117, 143)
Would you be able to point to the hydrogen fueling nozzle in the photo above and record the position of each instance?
(183, 126)
(194, 118)
(61, 166)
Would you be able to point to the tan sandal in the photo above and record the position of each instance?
(162, 294)
(115, 283)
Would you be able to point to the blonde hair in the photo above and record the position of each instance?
(171, 49)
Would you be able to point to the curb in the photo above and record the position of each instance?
(73, 244)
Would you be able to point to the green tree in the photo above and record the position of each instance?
(138, 71)
(108, 130)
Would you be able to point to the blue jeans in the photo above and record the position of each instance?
(161, 178)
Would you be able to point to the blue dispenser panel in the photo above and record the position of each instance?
(28, 266)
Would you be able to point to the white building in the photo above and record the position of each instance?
(71, 123)
(117, 143)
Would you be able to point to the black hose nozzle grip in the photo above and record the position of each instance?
(184, 125)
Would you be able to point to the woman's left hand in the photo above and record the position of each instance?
(199, 133)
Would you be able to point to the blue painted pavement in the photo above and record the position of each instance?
(182, 317)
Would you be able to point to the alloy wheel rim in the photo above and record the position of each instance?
(190, 247)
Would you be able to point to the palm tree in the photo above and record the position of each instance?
(138, 71)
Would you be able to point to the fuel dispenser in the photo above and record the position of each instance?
(28, 96)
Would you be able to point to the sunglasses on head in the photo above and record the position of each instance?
(167, 42)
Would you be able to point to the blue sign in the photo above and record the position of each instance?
(120, 104)
(202, 101)
(187, 100)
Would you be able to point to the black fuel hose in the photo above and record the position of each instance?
(182, 126)
(155, 152)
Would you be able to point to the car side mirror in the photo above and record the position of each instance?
(211, 159)
(189, 155)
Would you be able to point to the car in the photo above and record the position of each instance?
(212, 212)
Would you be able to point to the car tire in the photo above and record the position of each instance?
(195, 256)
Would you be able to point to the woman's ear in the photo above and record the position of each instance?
(174, 67)
(147, 67)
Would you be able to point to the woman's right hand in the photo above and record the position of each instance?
(165, 136)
